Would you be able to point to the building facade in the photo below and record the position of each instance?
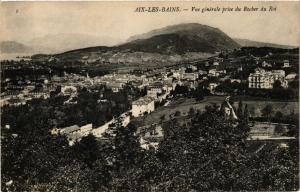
(155, 89)
(262, 79)
(142, 105)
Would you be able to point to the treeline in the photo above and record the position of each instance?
(262, 51)
(280, 93)
(34, 69)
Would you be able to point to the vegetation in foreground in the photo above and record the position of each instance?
(211, 154)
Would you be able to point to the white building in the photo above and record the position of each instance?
(215, 72)
(69, 90)
(212, 87)
(176, 75)
(155, 89)
(84, 130)
(142, 105)
(116, 86)
(262, 79)
(74, 133)
(201, 72)
(190, 76)
(193, 67)
(291, 76)
(265, 64)
(215, 63)
(286, 64)
(212, 72)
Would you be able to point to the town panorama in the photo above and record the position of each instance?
(181, 108)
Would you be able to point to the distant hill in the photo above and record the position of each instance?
(14, 47)
(167, 45)
(182, 38)
(57, 43)
(249, 43)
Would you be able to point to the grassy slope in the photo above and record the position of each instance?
(183, 105)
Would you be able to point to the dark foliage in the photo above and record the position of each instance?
(211, 153)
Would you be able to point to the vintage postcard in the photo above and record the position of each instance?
(149, 96)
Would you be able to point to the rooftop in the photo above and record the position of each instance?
(70, 129)
(143, 101)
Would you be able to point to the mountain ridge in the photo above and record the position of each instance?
(166, 45)
(71, 41)
(56, 43)
(211, 36)
(251, 43)
(171, 40)
(14, 47)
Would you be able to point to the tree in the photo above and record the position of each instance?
(277, 84)
(279, 129)
(294, 84)
(127, 146)
(126, 157)
(225, 162)
(240, 110)
(293, 131)
(70, 176)
(246, 114)
(267, 111)
(198, 94)
(188, 70)
(177, 113)
(87, 150)
(278, 116)
(216, 140)
(181, 90)
(162, 118)
(191, 111)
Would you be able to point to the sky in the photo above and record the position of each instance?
(23, 21)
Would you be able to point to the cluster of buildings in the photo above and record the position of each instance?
(117, 81)
(265, 79)
(17, 93)
(216, 72)
(157, 83)
(262, 79)
(158, 87)
(285, 64)
(161, 85)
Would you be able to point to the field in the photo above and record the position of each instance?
(184, 104)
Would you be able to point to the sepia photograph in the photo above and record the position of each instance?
(149, 96)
